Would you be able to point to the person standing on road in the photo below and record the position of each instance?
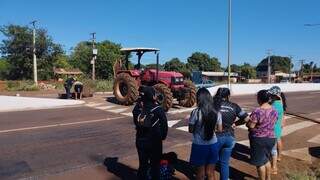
(261, 135)
(226, 140)
(78, 88)
(278, 104)
(202, 124)
(151, 129)
(68, 85)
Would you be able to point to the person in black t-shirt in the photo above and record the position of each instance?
(149, 140)
(226, 140)
(67, 85)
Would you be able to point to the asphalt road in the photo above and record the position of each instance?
(42, 142)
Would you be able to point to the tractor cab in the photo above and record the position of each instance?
(139, 52)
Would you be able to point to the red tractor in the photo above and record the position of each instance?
(168, 84)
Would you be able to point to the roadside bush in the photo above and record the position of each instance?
(21, 86)
(103, 85)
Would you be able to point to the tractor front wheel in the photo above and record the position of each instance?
(189, 96)
(125, 89)
(164, 96)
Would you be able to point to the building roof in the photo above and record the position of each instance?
(68, 72)
(218, 74)
(293, 75)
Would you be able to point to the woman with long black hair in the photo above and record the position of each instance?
(226, 139)
(203, 122)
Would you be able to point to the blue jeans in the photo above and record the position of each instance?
(226, 144)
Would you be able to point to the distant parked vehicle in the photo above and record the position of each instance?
(205, 83)
(316, 81)
(200, 81)
(285, 81)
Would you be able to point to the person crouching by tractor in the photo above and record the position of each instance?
(68, 85)
(151, 129)
(78, 88)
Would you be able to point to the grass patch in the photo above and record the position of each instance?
(21, 86)
(310, 174)
(103, 85)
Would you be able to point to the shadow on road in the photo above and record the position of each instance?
(241, 153)
(120, 170)
(112, 100)
(185, 168)
(315, 151)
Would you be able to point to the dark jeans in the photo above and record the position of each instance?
(149, 152)
(226, 144)
(68, 92)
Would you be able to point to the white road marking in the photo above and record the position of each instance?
(181, 110)
(183, 128)
(288, 117)
(173, 122)
(245, 127)
(286, 131)
(301, 154)
(128, 114)
(105, 107)
(120, 110)
(315, 139)
(314, 93)
(244, 142)
(314, 113)
(295, 127)
(94, 104)
(58, 125)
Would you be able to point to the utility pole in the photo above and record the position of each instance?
(269, 65)
(301, 68)
(94, 56)
(229, 43)
(290, 60)
(311, 71)
(35, 73)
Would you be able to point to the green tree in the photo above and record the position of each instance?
(248, 71)
(174, 65)
(108, 53)
(203, 62)
(62, 61)
(308, 67)
(17, 49)
(278, 63)
(316, 69)
(154, 66)
(234, 68)
(4, 69)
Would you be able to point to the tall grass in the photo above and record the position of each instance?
(21, 86)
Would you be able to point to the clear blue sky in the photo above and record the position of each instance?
(179, 27)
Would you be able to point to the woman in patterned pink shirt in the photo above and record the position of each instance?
(261, 135)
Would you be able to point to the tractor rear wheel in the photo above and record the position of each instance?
(125, 89)
(190, 96)
(164, 95)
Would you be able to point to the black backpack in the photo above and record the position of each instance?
(146, 118)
